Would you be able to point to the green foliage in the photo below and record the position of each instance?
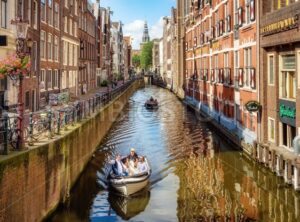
(136, 61)
(104, 83)
(146, 55)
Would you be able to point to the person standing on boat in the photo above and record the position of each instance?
(118, 167)
(133, 155)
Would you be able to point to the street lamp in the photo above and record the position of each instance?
(21, 28)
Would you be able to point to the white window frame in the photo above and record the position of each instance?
(268, 68)
(270, 120)
(50, 37)
(45, 45)
(247, 66)
(281, 70)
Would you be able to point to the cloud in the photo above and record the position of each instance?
(156, 30)
(135, 30)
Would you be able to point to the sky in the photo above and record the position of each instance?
(133, 14)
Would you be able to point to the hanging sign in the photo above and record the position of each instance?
(252, 106)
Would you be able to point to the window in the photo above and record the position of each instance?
(70, 54)
(43, 78)
(55, 79)
(35, 12)
(34, 57)
(271, 129)
(271, 68)
(247, 11)
(43, 10)
(71, 27)
(65, 53)
(56, 15)
(43, 45)
(66, 24)
(288, 77)
(66, 3)
(27, 100)
(75, 6)
(50, 13)
(288, 133)
(75, 55)
(56, 48)
(49, 79)
(75, 29)
(4, 14)
(248, 64)
(49, 47)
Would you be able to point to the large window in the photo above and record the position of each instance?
(288, 133)
(35, 12)
(271, 69)
(49, 79)
(56, 48)
(288, 77)
(50, 13)
(55, 79)
(65, 53)
(56, 15)
(49, 47)
(248, 66)
(43, 10)
(4, 14)
(43, 45)
(271, 129)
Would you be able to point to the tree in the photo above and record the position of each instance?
(136, 61)
(146, 55)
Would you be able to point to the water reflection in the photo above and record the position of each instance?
(196, 174)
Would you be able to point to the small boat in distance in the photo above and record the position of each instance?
(128, 185)
(151, 103)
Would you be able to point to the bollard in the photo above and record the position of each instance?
(58, 123)
(30, 142)
(65, 120)
(73, 117)
(5, 142)
(49, 124)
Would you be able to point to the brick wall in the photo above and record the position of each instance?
(33, 182)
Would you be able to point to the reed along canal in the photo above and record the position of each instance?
(196, 174)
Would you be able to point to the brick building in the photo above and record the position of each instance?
(127, 56)
(50, 55)
(279, 87)
(220, 52)
(70, 47)
(29, 11)
(87, 49)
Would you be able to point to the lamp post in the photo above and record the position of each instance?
(21, 28)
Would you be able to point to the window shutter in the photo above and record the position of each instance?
(240, 16)
(252, 10)
(252, 79)
(222, 75)
(221, 27)
(212, 75)
(228, 24)
(241, 79)
(212, 32)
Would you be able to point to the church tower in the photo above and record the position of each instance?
(146, 37)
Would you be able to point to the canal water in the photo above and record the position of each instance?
(196, 174)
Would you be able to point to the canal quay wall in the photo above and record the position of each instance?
(35, 181)
(282, 163)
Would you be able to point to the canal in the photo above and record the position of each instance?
(196, 174)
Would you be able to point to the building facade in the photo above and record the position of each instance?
(117, 47)
(155, 56)
(279, 87)
(87, 62)
(127, 55)
(50, 35)
(70, 47)
(167, 54)
(221, 60)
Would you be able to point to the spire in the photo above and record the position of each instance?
(146, 37)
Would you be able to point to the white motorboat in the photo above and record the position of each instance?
(127, 185)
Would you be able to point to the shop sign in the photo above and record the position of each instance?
(280, 26)
(252, 106)
(287, 112)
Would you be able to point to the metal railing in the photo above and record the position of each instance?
(43, 125)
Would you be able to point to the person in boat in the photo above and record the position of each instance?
(118, 167)
(142, 166)
(133, 155)
(133, 168)
(151, 99)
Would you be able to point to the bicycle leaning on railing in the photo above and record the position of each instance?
(44, 125)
